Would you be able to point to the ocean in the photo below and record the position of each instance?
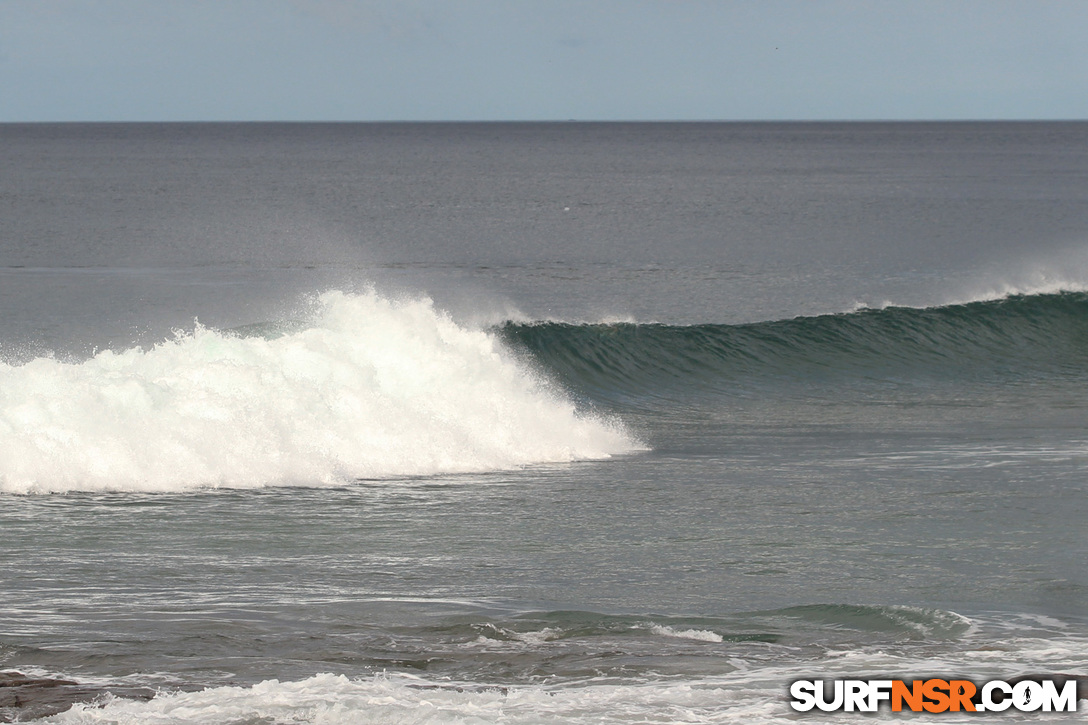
(521, 423)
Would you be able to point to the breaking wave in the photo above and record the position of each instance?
(369, 388)
(376, 388)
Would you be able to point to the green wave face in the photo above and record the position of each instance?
(1015, 338)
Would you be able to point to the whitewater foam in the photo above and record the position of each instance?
(332, 699)
(702, 635)
(754, 696)
(371, 388)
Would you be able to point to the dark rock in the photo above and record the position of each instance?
(28, 698)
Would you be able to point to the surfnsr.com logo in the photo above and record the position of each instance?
(935, 695)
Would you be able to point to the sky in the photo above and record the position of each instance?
(489, 60)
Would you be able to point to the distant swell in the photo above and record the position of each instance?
(370, 388)
(1014, 336)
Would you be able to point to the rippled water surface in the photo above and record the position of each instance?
(560, 422)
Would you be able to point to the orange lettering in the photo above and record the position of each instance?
(934, 691)
(960, 693)
(913, 696)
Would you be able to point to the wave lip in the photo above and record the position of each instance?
(372, 388)
(1019, 335)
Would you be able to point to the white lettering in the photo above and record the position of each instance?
(804, 695)
(988, 699)
(1065, 701)
(879, 690)
(994, 696)
(836, 701)
(1027, 696)
(856, 696)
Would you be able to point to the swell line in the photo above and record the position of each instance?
(1017, 336)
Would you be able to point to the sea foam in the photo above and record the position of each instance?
(371, 388)
(332, 700)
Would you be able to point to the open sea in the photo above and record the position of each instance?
(538, 423)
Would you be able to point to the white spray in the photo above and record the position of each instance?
(372, 388)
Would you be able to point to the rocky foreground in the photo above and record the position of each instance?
(26, 698)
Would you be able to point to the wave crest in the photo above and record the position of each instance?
(1016, 335)
(371, 388)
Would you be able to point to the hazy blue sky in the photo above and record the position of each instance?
(64, 60)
